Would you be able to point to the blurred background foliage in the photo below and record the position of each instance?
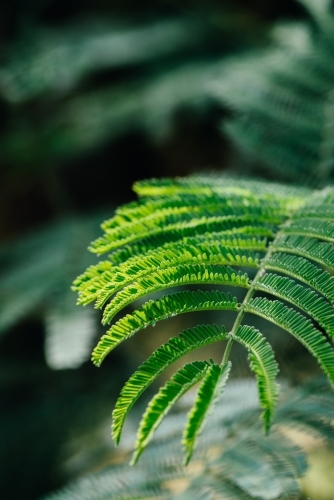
(96, 95)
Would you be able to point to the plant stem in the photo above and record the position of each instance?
(261, 272)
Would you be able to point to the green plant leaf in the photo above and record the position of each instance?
(310, 248)
(171, 277)
(179, 384)
(197, 230)
(164, 356)
(199, 225)
(304, 298)
(210, 389)
(304, 271)
(157, 310)
(299, 327)
(314, 227)
(263, 364)
(101, 283)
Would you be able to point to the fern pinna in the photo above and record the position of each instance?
(201, 230)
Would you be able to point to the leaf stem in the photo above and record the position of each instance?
(261, 272)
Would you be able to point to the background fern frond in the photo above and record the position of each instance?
(35, 282)
(282, 99)
(248, 465)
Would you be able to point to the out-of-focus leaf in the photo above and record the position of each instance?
(37, 272)
(234, 459)
(56, 60)
(283, 100)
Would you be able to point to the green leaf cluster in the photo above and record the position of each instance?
(273, 241)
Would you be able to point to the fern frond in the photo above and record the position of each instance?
(168, 395)
(206, 184)
(263, 364)
(304, 271)
(316, 209)
(121, 255)
(310, 248)
(212, 386)
(171, 277)
(89, 284)
(157, 310)
(310, 410)
(300, 327)
(193, 252)
(283, 115)
(35, 279)
(164, 356)
(259, 469)
(219, 487)
(185, 208)
(304, 298)
(198, 230)
(314, 227)
(199, 225)
(232, 204)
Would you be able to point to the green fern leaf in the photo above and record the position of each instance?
(168, 395)
(232, 204)
(171, 277)
(304, 298)
(317, 209)
(146, 244)
(201, 225)
(143, 246)
(304, 271)
(157, 310)
(185, 209)
(130, 254)
(108, 282)
(314, 227)
(262, 362)
(168, 257)
(164, 356)
(210, 389)
(299, 327)
(310, 248)
(199, 231)
(205, 184)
